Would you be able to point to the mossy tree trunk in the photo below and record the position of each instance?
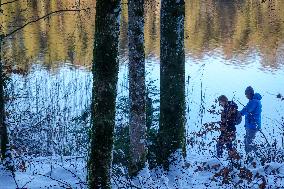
(137, 88)
(3, 128)
(105, 73)
(4, 141)
(172, 72)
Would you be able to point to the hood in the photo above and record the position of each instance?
(257, 96)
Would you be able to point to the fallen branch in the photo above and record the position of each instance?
(74, 175)
(27, 183)
(58, 181)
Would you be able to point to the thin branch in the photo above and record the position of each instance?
(40, 18)
(74, 175)
(57, 180)
(8, 2)
(125, 183)
(14, 177)
(27, 183)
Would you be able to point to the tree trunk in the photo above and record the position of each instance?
(4, 141)
(3, 129)
(5, 153)
(137, 88)
(172, 95)
(105, 73)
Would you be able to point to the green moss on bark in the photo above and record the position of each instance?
(172, 96)
(105, 73)
(3, 128)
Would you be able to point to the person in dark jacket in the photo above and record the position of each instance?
(252, 112)
(227, 126)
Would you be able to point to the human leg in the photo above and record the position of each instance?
(232, 151)
(220, 146)
(249, 137)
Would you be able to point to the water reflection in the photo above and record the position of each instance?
(49, 61)
(235, 27)
(56, 39)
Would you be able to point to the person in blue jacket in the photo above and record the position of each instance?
(252, 112)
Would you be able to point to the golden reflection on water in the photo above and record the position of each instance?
(235, 27)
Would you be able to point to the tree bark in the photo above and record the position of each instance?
(3, 128)
(105, 73)
(137, 88)
(4, 141)
(172, 72)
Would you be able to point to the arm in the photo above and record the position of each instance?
(248, 108)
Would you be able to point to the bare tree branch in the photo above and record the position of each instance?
(40, 18)
(8, 2)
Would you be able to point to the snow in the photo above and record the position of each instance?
(196, 171)
(43, 172)
(200, 172)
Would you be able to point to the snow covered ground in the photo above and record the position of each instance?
(198, 171)
(67, 172)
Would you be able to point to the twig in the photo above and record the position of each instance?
(216, 157)
(40, 18)
(80, 180)
(59, 181)
(28, 183)
(125, 183)
(14, 177)
(264, 137)
(8, 2)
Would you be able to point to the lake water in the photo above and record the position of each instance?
(229, 45)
